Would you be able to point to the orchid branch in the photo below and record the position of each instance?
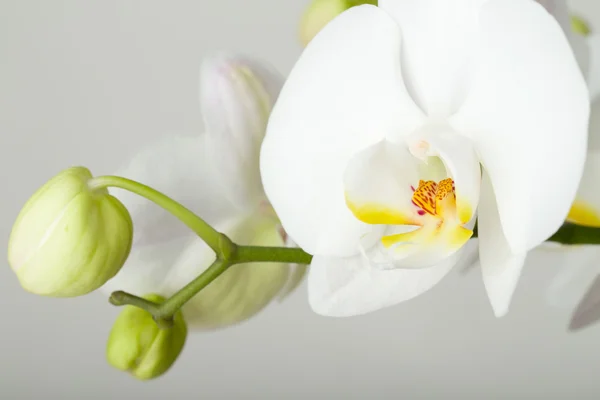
(229, 253)
(163, 313)
(210, 236)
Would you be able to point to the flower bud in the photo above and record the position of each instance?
(137, 345)
(68, 239)
(579, 26)
(321, 12)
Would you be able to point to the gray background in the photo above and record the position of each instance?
(84, 82)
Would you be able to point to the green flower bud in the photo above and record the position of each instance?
(68, 239)
(321, 12)
(137, 345)
(578, 25)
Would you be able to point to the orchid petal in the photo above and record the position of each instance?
(515, 131)
(593, 45)
(379, 184)
(586, 207)
(241, 291)
(578, 266)
(560, 11)
(344, 94)
(344, 287)
(236, 98)
(238, 294)
(175, 166)
(500, 267)
(148, 265)
(166, 255)
(587, 312)
(437, 49)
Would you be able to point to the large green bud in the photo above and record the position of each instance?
(68, 239)
(138, 346)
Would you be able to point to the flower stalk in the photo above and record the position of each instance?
(229, 253)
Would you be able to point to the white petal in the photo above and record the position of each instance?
(560, 11)
(594, 129)
(593, 43)
(379, 184)
(581, 50)
(236, 98)
(587, 312)
(238, 294)
(344, 94)
(148, 265)
(578, 267)
(500, 267)
(586, 208)
(526, 110)
(470, 260)
(243, 290)
(438, 42)
(344, 287)
(175, 166)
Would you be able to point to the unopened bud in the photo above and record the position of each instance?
(68, 239)
(321, 12)
(578, 25)
(138, 346)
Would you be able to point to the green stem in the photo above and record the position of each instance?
(121, 298)
(163, 313)
(293, 255)
(228, 253)
(572, 234)
(175, 302)
(207, 233)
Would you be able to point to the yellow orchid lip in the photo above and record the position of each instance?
(435, 213)
(437, 204)
(377, 214)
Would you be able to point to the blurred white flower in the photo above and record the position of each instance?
(216, 175)
(581, 264)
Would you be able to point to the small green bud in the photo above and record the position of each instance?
(137, 345)
(578, 25)
(68, 239)
(321, 12)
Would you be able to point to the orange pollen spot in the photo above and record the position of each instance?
(423, 198)
(435, 198)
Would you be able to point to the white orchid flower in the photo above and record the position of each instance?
(581, 264)
(398, 122)
(216, 175)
